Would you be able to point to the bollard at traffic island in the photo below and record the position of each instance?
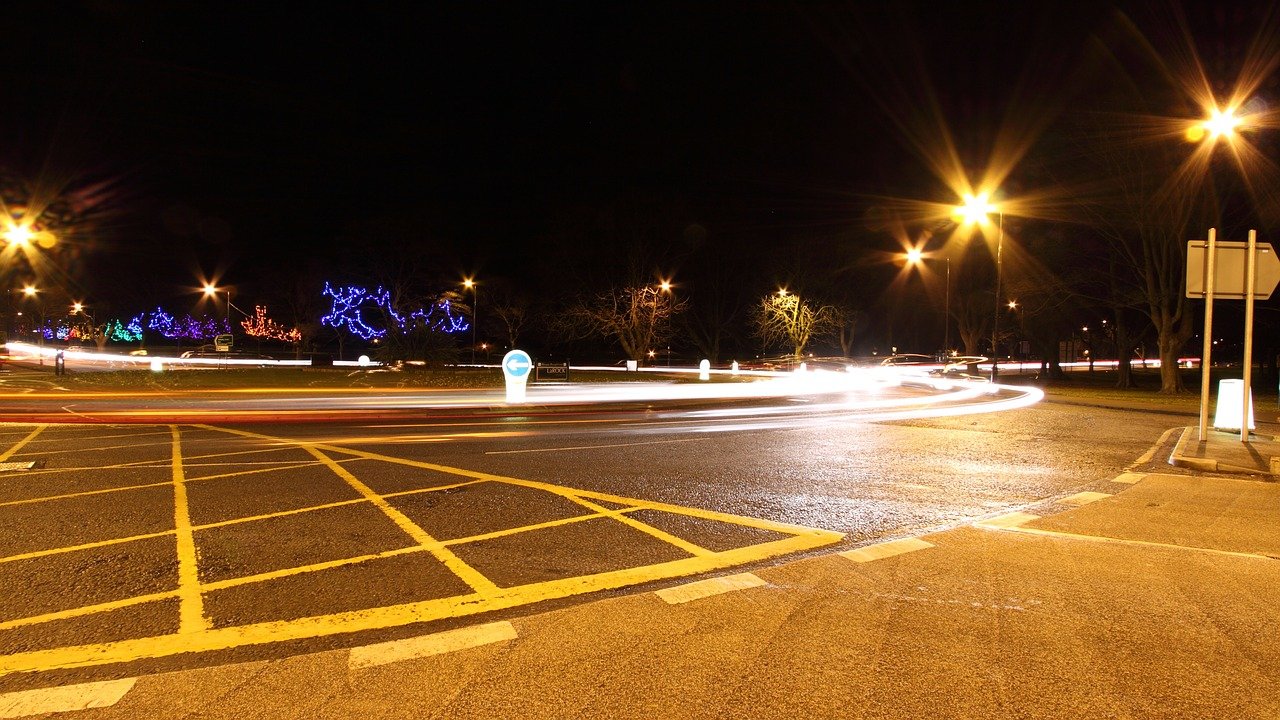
(734, 368)
(157, 365)
(60, 363)
(704, 370)
(515, 368)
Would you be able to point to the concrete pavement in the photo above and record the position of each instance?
(1149, 596)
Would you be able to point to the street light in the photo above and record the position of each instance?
(470, 284)
(31, 292)
(915, 256)
(211, 292)
(976, 210)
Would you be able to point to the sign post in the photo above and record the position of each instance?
(515, 367)
(1230, 270)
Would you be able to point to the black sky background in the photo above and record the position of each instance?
(248, 143)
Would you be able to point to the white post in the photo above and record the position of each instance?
(516, 366)
(704, 370)
(1250, 278)
(1209, 276)
(734, 367)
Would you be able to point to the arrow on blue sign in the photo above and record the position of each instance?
(517, 363)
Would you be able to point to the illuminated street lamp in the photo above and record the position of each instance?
(211, 292)
(19, 235)
(470, 284)
(915, 256)
(31, 292)
(976, 210)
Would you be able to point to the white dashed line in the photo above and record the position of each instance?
(428, 645)
(707, 588)
(885, 549)
(64, 699)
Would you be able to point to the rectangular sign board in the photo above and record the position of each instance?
(551, 371)
(1229, 278)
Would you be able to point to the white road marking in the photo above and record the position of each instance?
(1010, 520)
(707, 588)
(428, 645)
(1084, 498)
(64, 699)
(885, 549)
(1129, 478)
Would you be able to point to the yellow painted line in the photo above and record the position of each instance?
(64, 699)
(395, 615)
(88, 609)
(885, 549)
(572, 494)
(84, 546)
(1084, 498)
(83, 493)
(662, 535)
(82, 450)
(709, 587)
(327, 565)
(31, 436)
(428, 645)
(469, 575)
(191, 607)
(1129, 477)
(1005, 522)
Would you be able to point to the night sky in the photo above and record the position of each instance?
(258, 143)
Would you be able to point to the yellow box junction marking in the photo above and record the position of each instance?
(1084, 498)
(197, 635)
(18, 446)
(64, 699)
(428, 645)
(191, 611)
(883, 550)
(709, 587)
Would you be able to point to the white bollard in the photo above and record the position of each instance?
(734, 368)
(515, 367)
(704, 370)
(632, 365)
(157, 365)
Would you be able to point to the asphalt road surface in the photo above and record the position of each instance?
(137, 547)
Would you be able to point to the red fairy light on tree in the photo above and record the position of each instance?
(261, 326)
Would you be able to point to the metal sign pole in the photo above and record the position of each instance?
(1209, 275)
(1250, 279)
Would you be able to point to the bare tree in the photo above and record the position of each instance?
(786, 318)
(637, 317)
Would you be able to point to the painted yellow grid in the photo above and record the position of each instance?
(196, 636)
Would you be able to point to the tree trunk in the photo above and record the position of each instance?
(1170, 339)
(1124, 366)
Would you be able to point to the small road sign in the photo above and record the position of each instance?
(1229, 281)
(517, 364)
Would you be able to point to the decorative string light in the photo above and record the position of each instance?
(349, 303)
(264, 327)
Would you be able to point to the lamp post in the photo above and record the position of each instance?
(31, 292)
(915, 256)
(210, 291)
(470, 284)
(977, 209)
